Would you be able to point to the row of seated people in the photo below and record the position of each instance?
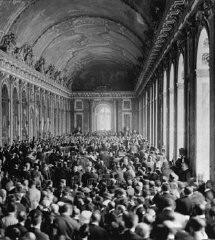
(96, 187)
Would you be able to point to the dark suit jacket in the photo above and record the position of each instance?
(184, 206)
(162, 200)
(66, 226)
(128, 235)
(39, 235)
(97, 233)
(21, 228)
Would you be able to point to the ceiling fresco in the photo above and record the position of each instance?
(92, 42)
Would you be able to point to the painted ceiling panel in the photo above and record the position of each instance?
(85, 39)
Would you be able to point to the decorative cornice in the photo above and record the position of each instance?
(22, 71)
(104, 95)
(175, 19)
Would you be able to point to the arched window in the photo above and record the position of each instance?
(180, 104)
(164, 109)
(203, 108)
(171, 114)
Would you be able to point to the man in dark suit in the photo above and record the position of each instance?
(97, 232)
(162, 200)
(64, 224)
(36, 220)
(131, 221)
(184, 204)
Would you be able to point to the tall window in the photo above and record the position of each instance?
(180, 104)
(156, 111)
(103, 118)
(171, 114)
(140, 114)
(146, 114)
(143, 115)
(164, 109)
(15, 115)
(203, 108)
(151, 115)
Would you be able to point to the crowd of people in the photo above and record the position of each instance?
(102, 186)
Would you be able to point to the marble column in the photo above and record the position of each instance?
(1, 78)
(35, 107)
(11, 109)
(30, 100)
(20, 109)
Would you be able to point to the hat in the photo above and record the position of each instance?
(85, 217)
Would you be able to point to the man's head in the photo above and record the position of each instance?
(143, 230)
(131, 220)
(96, 217)
(36, 217)
(11, 208)
(165, 187)
(188, 191)
(29, 236)
(66, 209)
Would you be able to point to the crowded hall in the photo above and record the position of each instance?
(106, 119)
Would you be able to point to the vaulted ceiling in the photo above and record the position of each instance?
(95, 43)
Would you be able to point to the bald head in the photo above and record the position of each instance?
(143, 230)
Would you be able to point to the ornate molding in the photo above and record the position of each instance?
(175, 19)
(22, 71)
(104, 95)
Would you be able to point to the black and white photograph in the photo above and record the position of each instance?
(107, 119)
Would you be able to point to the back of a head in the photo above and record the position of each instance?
(130, 220)
(29, 236)
(160, 232)
(66, 208)
(169, 202)
(14, 233)
(60, 237)
(11, 208)
(165, 187)
(188, 190)
(36, 217)
(143, 230)
(199, 209)
(96, 216)
(21, 216)
(84, 231)
(32, 183)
